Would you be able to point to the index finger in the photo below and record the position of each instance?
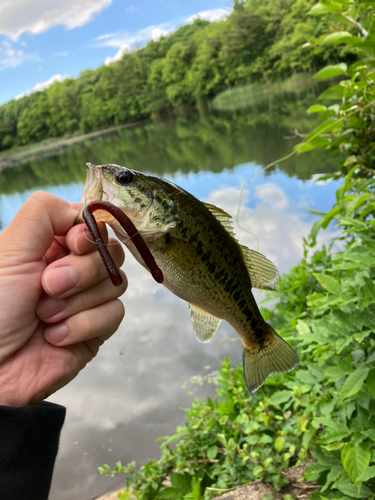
(33, 229)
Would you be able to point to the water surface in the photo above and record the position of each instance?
(131, 393)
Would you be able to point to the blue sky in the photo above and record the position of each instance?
(45, 40)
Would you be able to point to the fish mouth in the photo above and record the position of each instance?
(93, 190)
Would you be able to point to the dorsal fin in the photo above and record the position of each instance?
(204, 324)
(263, 274)
(222, 216)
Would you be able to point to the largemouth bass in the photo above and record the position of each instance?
(194, 245)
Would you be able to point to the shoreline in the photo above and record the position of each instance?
(48, 147)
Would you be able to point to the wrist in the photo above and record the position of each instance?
(16, 401)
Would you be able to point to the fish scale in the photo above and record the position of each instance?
(202, 262)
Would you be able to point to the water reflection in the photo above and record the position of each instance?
(131, 393)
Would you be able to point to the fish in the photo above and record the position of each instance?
(203, 263)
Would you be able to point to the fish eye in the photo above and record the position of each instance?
(124, 177)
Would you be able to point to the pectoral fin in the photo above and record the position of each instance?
(204, 324)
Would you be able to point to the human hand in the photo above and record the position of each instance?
(57, 304)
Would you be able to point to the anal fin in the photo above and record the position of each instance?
(204, 324)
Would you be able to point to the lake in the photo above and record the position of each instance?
(132, 391)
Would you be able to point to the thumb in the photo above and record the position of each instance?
(33, 229)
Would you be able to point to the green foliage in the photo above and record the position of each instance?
(224, 442)
(347, 126)
(259, 42)
(325, 308)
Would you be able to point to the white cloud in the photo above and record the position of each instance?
(278, 228)
(119, 39)
(127, 42)
(44, 85)
(40, 15)
(157, 33)
(11, 57)
(272, 194)
(315, 180)
(125, 49)
(210, 15)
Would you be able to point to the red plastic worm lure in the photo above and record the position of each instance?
(132, 232)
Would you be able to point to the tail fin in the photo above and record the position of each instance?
(276, 357)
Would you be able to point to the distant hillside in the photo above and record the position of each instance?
(258, 42)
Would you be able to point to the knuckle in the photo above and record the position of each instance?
(41, 198)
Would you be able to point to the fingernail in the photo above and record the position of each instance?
(49, 307)
(60, 279)
(56, 334)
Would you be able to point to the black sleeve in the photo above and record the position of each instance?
(29, 438)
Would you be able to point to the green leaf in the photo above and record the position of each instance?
(304, 147)
(171, 494)
(267, 462)
(327, 407)
(367, 474)
(370, 433)
(360, 336)
(342, 343)
(370, 382)
(302, 327)
(320, 8)
(279, 443)
(333, 474)
(328, 283)
(258, 470)
(355, 460)
(334, 434)
(333, 93)
(346, 487)
(353, 383)
(334, 446)
(337, 37)
(280, 397)
(331, 70)
(316, 108)
(212, 452)
(323, 128)
(265, 439)
(181, 481)
(125, 495)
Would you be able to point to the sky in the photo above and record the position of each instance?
(42, 41)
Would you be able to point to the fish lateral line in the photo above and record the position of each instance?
(132, 232)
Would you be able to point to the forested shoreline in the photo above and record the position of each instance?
(257, 43)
